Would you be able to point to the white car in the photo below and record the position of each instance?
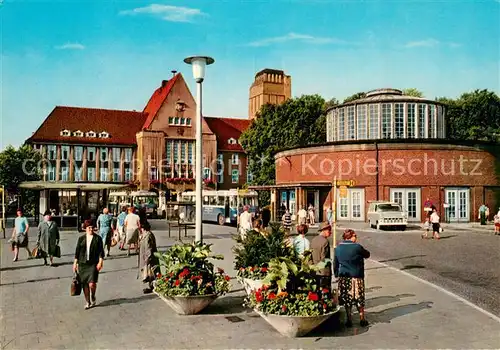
(387, 214)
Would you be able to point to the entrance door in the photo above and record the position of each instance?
(352, 207)
(409, 199)
(458, 201)
(313, 198)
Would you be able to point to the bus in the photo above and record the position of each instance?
(140, 199)
(222, 207)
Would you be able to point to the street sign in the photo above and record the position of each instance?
(344, 183)
(343, 191)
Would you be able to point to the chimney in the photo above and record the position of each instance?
(173, 72)
(164, 83)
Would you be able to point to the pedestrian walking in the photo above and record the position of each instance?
(349, 268)
(301, 243)
(312, 216)
(436, 227)
(48, 239)
(245, 221)
(89, 258)
(120, 223)
(302, 214)
(20, 235)
(132, 227)
(497, 222)
(105, 228)
(320, 248)
(287, 221)
(149, 264)
(329, 215)
(484, 213)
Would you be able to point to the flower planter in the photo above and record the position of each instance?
(295, 326)
(250, 284)
(189, 305)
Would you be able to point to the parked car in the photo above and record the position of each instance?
(387, 214)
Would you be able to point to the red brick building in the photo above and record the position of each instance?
(388, 146)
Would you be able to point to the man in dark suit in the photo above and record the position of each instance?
(320, 248)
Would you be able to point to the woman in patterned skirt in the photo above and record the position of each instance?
(350, 270)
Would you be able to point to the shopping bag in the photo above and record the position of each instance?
(57, 251)
(76, 286)
(115, 239)
(36, 253)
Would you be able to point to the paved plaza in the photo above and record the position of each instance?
(37, 311)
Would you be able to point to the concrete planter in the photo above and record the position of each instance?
(250, 284)
(189, 305)
(295, 326)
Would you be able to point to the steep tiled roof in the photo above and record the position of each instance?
(226, 128)
(157, 100)
(120, 125)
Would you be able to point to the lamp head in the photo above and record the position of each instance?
(199, 63)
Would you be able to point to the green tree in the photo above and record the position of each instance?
(473, 116)
(16, 166)
(413, 92)
(296, 122)
(356, 96)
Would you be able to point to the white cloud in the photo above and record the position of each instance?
(295, 37)
(70, 46)
(167, 12)
(430, 43)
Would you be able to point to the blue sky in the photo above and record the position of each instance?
(113, 54)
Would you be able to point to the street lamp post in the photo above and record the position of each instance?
(199, 64)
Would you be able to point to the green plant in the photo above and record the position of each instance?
(187, 271)
(292, 289)
(255, 250)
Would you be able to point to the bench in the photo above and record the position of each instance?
(180, 224)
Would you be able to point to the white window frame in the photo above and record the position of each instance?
(342, 117)
(104, 135)
(411, 124)
(128, 155)
(116, 154)
(361, 121)
(78, 133)
(399, 120)
(116, 175)
(51, 148)
(63, 149)
(64, 176)
(91, 150)
(51, 172)
(235, 159)
(386, 117)
(458, 192)
(404, 192)
(351, 123)
(90, 134)
(104, 151)
(349, 202)
(103, 174)
(128, 174)
(374, 121)
(78, 170)
(78, 153)
(65, 133)
(91, 174)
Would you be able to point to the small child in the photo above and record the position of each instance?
(427, 226)
(496, 220)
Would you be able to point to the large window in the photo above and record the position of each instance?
(103, 174)
(64, 176)
(116, 154)
(351, 124)
(183, 152)
(90, 174)
(399, 120)
(190, 152)
(176, 153)
(374, 121)
(341, 124)
(421, 121)
(220, 168)
(116, 175)
(386, 120)
(334, 122)
(169, 152)
(78, 173)
(104, 154)
(411, 120)
(128, 155)
(64, 152)
(361, 122)
(78, 153)
(51, 152)
(235, 176)
(51, 172)
(432, 121)
(128, 174)
(91, 154)
(235, 160)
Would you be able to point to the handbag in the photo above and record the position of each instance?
(76, 286)
(57, 251)
(115, 239)
(36, 253)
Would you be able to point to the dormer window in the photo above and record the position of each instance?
(78, 133)
(90, 134)
(65, 132)
(232, 141)
(104, 135)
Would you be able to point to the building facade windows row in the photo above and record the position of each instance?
(106, 153)
(394, 120)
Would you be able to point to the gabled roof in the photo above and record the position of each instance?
(226, 128)
(157, 99)
(121, 125)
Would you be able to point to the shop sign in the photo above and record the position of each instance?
(346, 183)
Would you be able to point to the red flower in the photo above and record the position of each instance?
(271, 296)
(177, 282)
(158, 275)
(184, 273)
(259, 297)
(264, 269)
(251, 268)
(195, 278)
(227, 278)
(325, 290)
(312, 296)
(324, 306)
(283, 308)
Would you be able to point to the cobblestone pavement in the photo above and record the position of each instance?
(38, 313)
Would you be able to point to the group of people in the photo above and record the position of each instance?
(47, 242)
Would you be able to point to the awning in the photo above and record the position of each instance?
(292, 185)
(46, 185)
